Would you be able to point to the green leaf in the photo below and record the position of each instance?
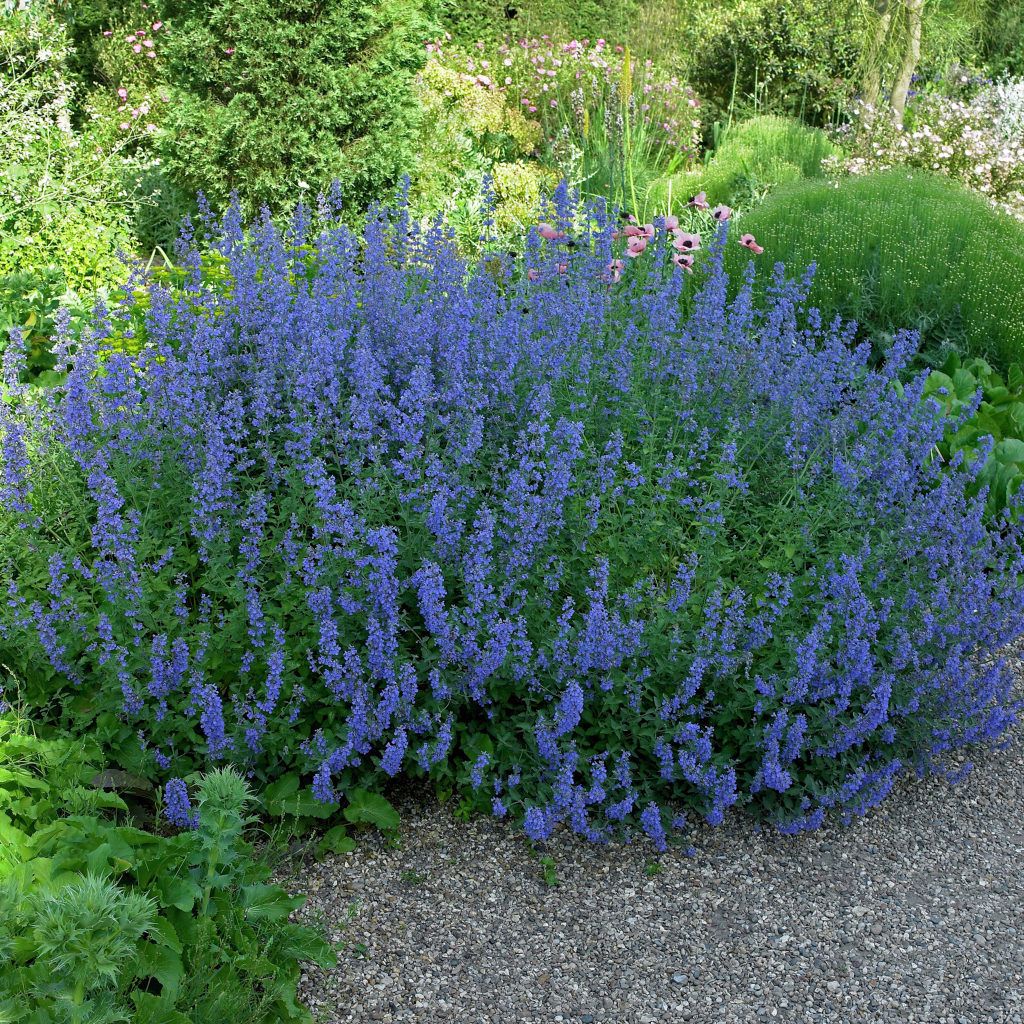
(964, 385)
(150, 1009)
(162, 963)
(1009, 452)
(268, 902)
(178, 892)
(371, 809)
(336, 840)
(163, 933)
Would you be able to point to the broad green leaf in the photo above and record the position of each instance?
(151, 1009)
(371, 809)
(162, 963)
(178, 892)
(336, 840)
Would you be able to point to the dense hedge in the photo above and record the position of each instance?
(591, 543)
(273, 97)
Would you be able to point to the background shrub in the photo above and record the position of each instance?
(904, 248)
(273, 98)
(590, 552)
(750, 160)
(62, 199)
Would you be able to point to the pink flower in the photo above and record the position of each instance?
(721, 213)
(137, 48)
(686, 242)
(140, 33)
(151, 54)
(150, 127)
(635, 247)
(122, 93)
(683, 260)
(532, 274)
(124, 126)
(634, 231)
(563, 267)
(700, 201)
(157, 25)
(229, 51)
(616, 267)
(552, 234)
(107, 34)
(751, 243)
(671, 223)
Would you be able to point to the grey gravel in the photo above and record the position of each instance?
(912, 915)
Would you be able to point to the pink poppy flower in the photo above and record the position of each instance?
(552, 234)
(634, 231)
(751, 243)
(122, 93)
(157, 25)
(683, 260)
(721, 213)
(686, 242)
(671, 223)
(137, 48)
(563, 267)
(635, 247)
(700, 201)
(615, 268)
(532, 274)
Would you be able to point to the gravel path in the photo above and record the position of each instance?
(913, 914)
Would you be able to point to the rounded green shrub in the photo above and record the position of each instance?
(276, 97)
(753, 157)
(897, 249)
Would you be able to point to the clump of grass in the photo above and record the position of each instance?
(751, 159)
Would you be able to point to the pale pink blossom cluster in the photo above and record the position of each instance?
(962, 139)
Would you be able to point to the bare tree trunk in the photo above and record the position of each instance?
(871, 88)
(911, 57)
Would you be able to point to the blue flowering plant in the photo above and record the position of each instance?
(598, 544)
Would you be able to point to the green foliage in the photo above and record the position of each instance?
(469, 132)
(469, 20)
(1000, 417)
(902, 249)
(776, 56)
(61, 195)
(1002, 46)
(273, 98)
(28, 303)
(101, 920)
(751, 159)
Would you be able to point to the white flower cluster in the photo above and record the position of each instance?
(1007, 96)
(979, 142)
